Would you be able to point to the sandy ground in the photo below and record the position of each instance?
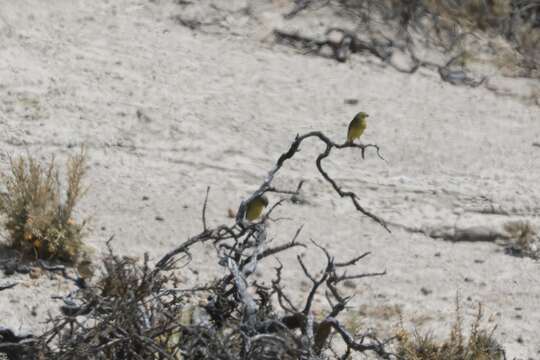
(219, 107)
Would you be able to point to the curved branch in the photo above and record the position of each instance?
(293, 149)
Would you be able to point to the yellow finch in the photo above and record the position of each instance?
(357, 126)
(255, 207)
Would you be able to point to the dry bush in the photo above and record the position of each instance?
(38, 213)
(473, 14)
(451, 28)
(122, 316)
(135, 311)
(479, 345)
(524, 240)
(516, 21)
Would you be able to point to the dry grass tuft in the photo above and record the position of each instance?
(38, 213)
(524, 240)
(480, 344)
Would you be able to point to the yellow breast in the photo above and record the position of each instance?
(356, 129)
(254, 209)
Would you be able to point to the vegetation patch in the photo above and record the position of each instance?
(39, 210)
(523, 239)
(478, 345)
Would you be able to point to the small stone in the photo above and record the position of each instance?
(299, 199)
(200, 316)
(478, 261)
(351, 101)
(9, 268)
(85, 269)
(143, 117)
(425, 291)
(437, 254)
(349, 284)
(22, 269)
(467, 279)
(159, 218)
(144, 198)
(35, 272)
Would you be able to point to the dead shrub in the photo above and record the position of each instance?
(38, 213)
(448, 27)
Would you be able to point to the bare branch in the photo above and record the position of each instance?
(352, 261)
(205, 226)
(8, 286)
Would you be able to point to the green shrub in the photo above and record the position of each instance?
(38, 214)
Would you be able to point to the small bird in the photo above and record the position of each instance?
(357, 127)
(255, 207)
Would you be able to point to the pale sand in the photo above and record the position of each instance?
(221, 108)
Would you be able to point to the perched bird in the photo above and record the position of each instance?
(357, 126)
(255, 207)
